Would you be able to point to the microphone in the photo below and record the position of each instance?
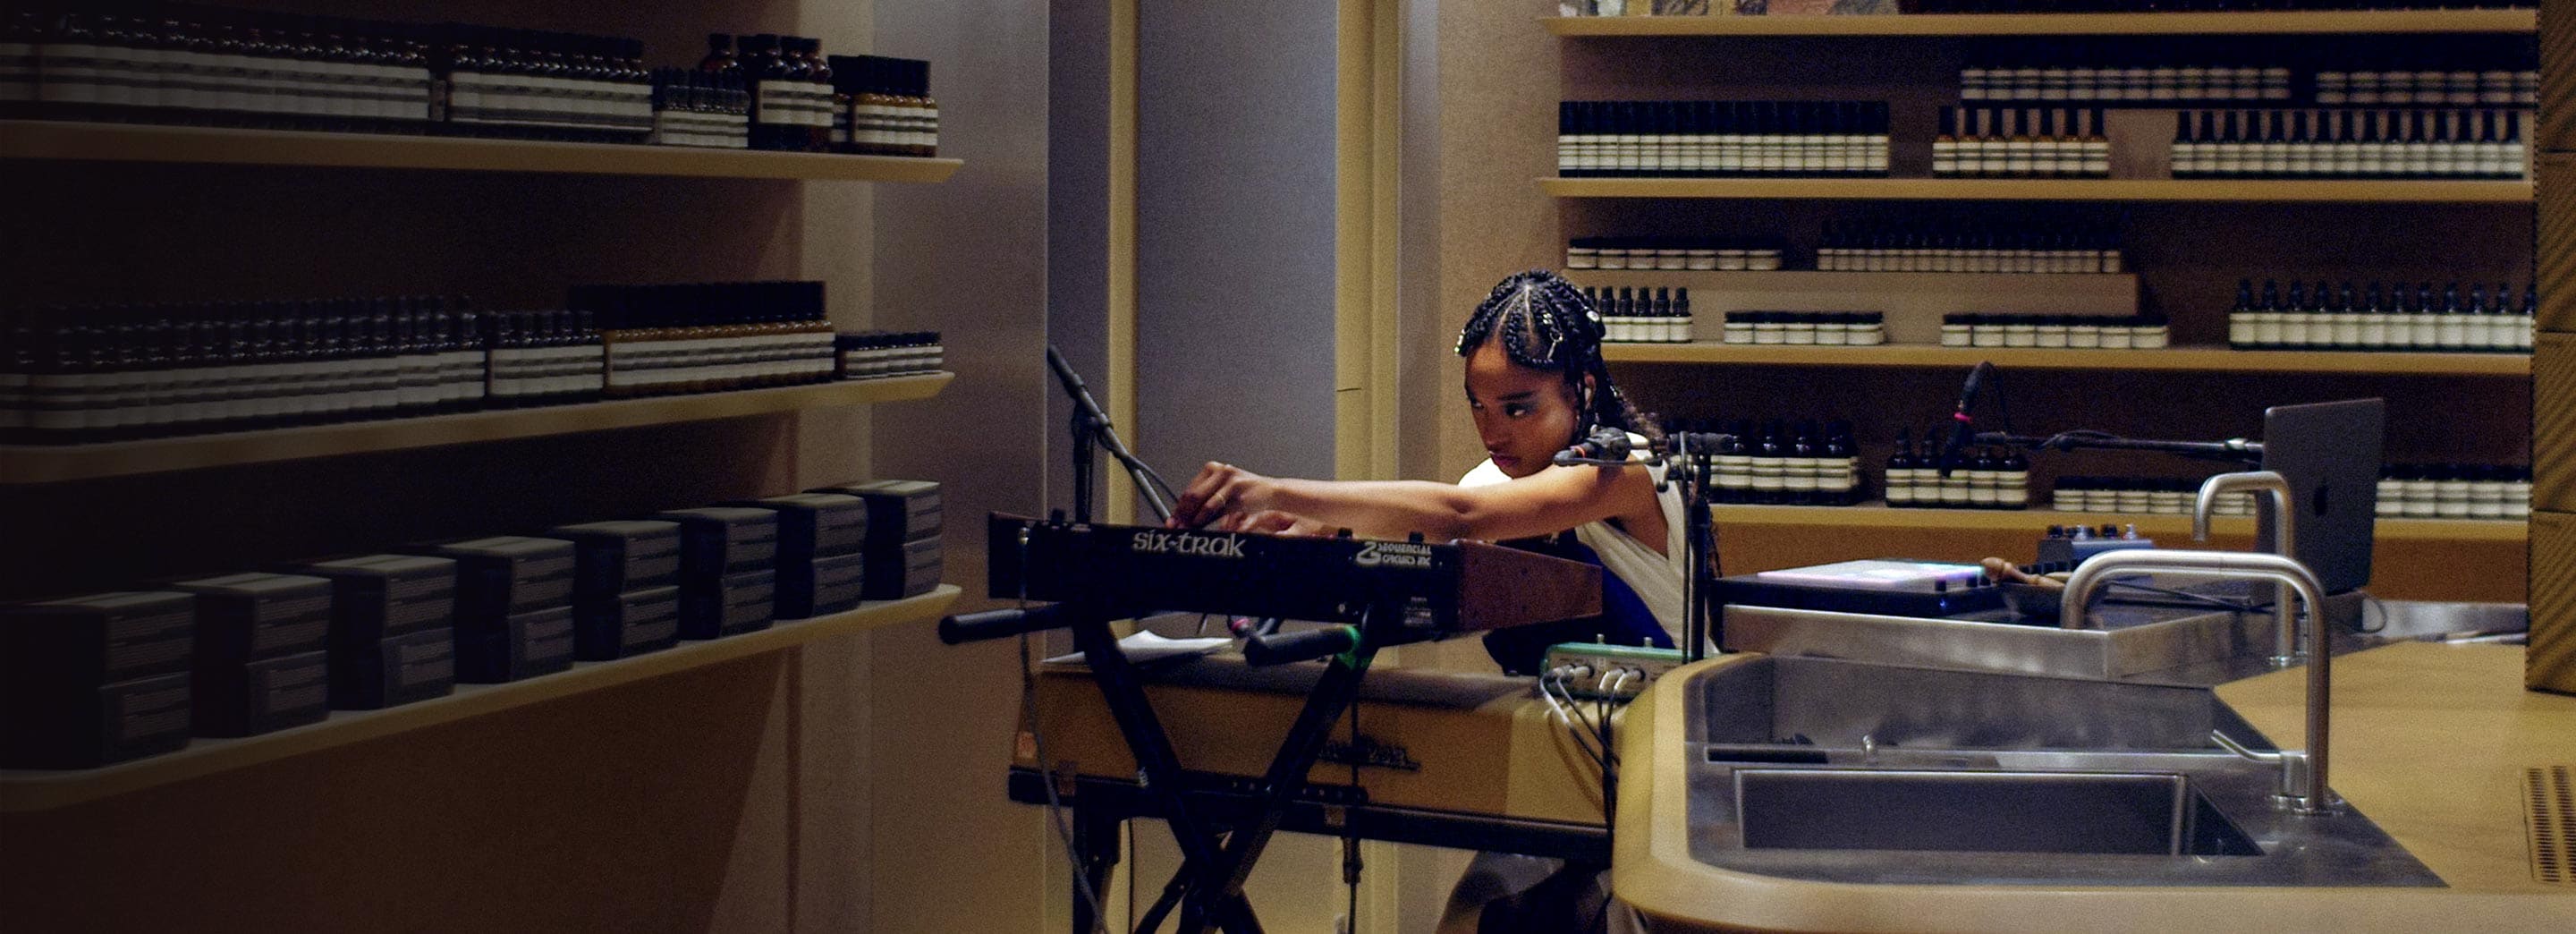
(1072, 383)
(1607, 443)
(1965, 429)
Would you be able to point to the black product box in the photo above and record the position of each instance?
(80, 643)
(83, 728)
(380, 596)
(263, 696)
(899, 511)
(611, 558)
(821, 586)
(631, 623)
(398, 670)
(728, 605)
(908, 571)
(525, 645)
(720, 540)
(246, 617)
(507, 574)
(816, 525)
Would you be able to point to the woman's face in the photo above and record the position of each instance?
(1523, 415)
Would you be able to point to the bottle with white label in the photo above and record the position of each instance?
(2012, 480)
(775, 121)
(2240, 318)
(1770, 465)
(1900, 471)
(1842, 485)
(1735, 465)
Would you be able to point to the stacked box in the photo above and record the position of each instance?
(261, 659)
(822, 564)
(94, 680)
(513, 607)
(392, 620)
(625, 601)
(904, 518)
(728, 576)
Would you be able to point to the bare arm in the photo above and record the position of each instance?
(1550, 501)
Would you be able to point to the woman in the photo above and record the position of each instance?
(1536, 384)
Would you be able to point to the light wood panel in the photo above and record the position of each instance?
(2053, 24)
(2553, 423)
(2200, 359)
(2556, 128)
(2555, 225)
(26, 790)
(2551, 661)
(35, 464)
(2006, 189)
(110, 142)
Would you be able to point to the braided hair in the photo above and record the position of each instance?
(1545, 323)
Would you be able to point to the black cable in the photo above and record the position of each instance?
(1350, 830)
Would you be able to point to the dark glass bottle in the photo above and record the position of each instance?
(1769, 461)
(764, 71)
(1841, 483)
(719, 59)
(1899, 475)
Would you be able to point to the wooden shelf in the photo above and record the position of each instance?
(28, 790)
(30, 464)
(2056, 24)
(114, 142)
(1852, 280)
(2202, 359)
(2046, 189)
(2177, 528)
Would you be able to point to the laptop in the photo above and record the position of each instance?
(2330, 454)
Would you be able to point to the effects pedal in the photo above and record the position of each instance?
(1594, 672)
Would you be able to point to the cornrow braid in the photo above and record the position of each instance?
(1545, 323)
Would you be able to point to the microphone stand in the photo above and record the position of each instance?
(1689, 461)
(1689, 465)
(2232, 450)
(1091, 429)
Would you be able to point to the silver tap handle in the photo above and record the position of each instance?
(2224, 742)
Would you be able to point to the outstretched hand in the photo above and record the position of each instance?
(1273, 522)
(1224, 496)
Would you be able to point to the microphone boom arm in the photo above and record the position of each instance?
(1091, 426)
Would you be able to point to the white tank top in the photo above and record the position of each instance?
(1656, 577)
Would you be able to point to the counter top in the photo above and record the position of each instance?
(2430, 742)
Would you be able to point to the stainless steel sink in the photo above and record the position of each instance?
(2106, 813)
(1831, 704)
(1842, 771)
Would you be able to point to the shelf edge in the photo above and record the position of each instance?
(155, 143)
(2329, 22)
(28, 465)
(28, 790)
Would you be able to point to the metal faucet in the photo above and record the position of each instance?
(2303, 774)
(2285, 642)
